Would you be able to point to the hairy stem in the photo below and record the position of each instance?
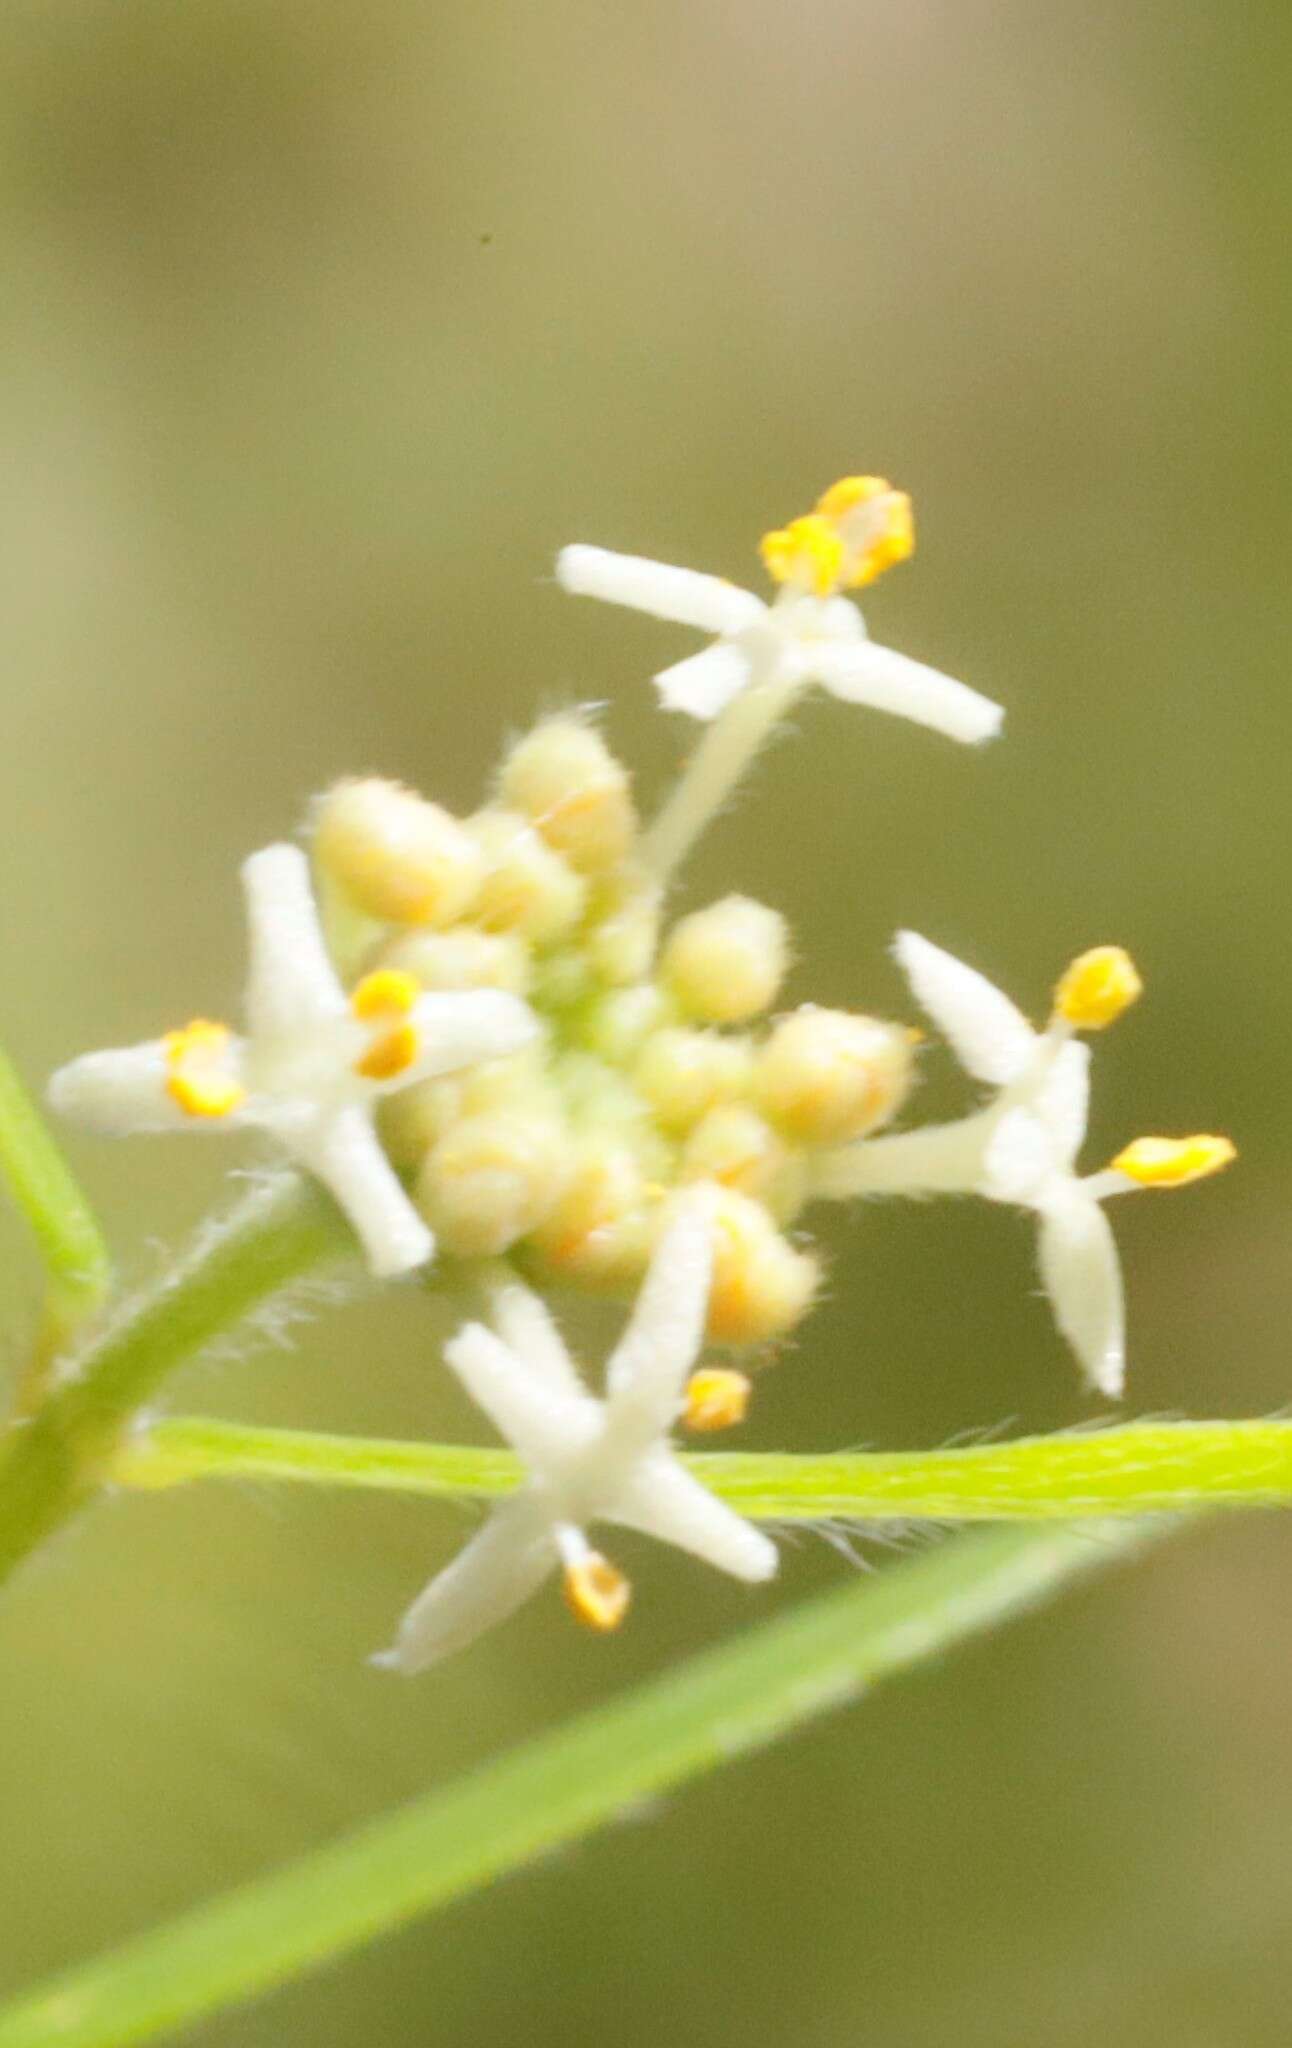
(77, 1266)
(724, 753)
(54, 1462)
(1138, 1468)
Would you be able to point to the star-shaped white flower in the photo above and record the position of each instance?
(587, 1460)
(1022, 1147)
(811, 633)
(311, 1066)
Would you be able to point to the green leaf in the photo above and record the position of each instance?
(719, 1706)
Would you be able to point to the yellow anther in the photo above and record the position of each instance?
(196, 1076)
(809, 553)
(1097, 987)
(716, 1398)
(387, 992)
(875, 522)
(849, 492)
(1172, 1162)
(596, 1593)
(386, 997)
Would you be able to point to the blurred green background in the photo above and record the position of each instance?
(324, 325)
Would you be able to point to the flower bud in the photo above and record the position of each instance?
(762, 1286)
(461, 958)
(599, 1232)
(683, 1073)
(490, 1179)
(725, 964)
(564, 778)
(825, 1076)
(398, 858)
(735, 1146)
(526, 887)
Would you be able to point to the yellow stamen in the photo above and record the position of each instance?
(809, 552)
(1172, 1162)
(386, 997)
(716, 1399)
(196, 1077)
(849, 492)
(389, 992)
(875, 522)
(596, 1593)
(1097, 987)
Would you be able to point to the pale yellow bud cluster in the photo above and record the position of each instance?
(660, 1065)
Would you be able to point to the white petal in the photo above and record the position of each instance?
(992, 1040)
(1020, 1159)
(866, 674)
(343, 1150)
(683, 595)
(124, 1091)
(646, 1372)
(291, 982)
(1079, 1265)
(494, 1575)
(941, 1159)
(1062, 1099)
(522, 1321)
(542, 1425)
(460, 1027)
(705, 683)
(663, 1500)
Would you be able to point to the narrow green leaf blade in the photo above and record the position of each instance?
(551, 1791)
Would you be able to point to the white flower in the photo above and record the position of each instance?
(1022, 1148)
(586, 1459)
(810, 633)
(312, 1064)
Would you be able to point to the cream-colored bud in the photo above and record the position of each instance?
(617, 1024)
(683, 1073)
(762, 1285)
(825, 1076)
(568, 783)
(725, 964)
(600, 1231)
(735, 1146)
(527, 887)
(461, 958)
(398, 858)
(490, 1179)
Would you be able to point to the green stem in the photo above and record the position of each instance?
(1138, 1468)
(558, 1788)
(713, 771)
(77, 1266)
(52, 1464)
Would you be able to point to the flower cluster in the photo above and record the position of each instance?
(484, 1037)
